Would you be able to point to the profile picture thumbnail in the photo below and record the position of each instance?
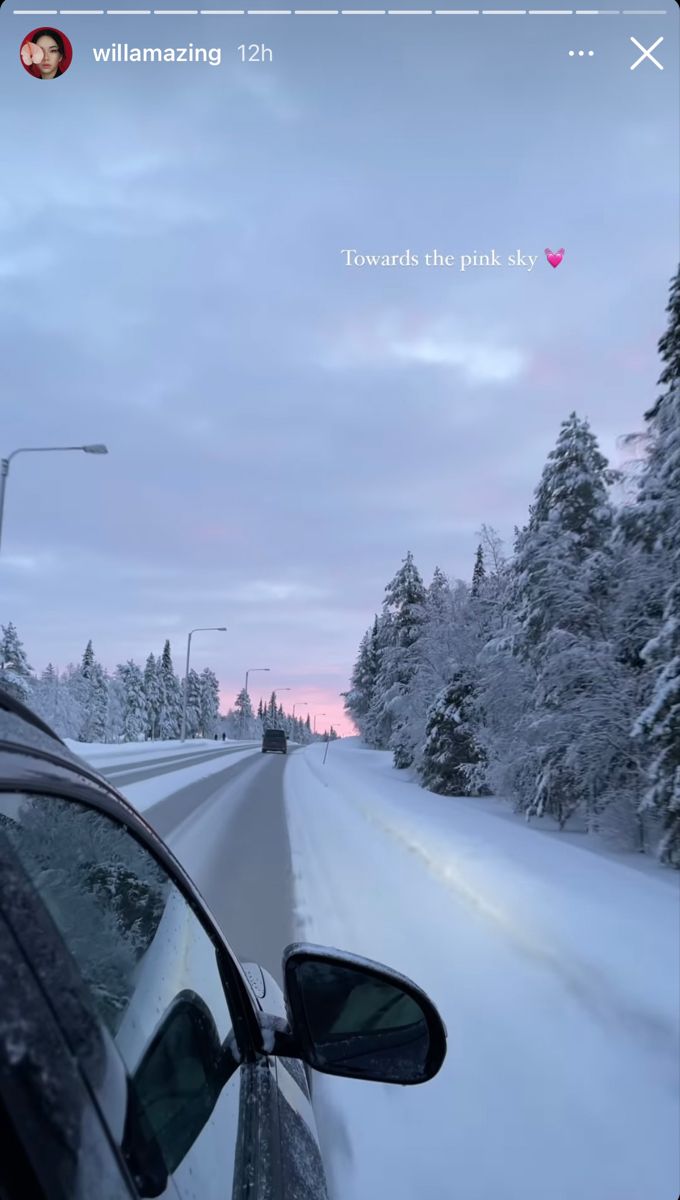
(46, 53)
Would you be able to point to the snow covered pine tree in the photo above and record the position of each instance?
(657, 518)
(15, 673)
(451, 756)
(405, 606)
(558, 611)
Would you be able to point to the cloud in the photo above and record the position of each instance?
(441, 342)
(28, 563)
(271, 591)
(479, 362)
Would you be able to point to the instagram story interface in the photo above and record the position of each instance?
(351, 295)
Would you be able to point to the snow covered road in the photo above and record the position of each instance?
(222, 813)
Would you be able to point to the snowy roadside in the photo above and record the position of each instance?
(101, 754)
(556, 971)
(144, 794)
(557, 901)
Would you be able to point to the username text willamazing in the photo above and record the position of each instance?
(122, 52)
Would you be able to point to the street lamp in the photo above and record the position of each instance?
(276, 690)
(250, 670)
(201, 629)
(94, 448)
(246, 691)
(283, 689)
(302, 704)
(315, 716)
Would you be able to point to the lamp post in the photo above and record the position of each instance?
(200, 629)
(315, 716)
(246, 690)
(95, 448)
(276, 690)
(302, 704)
(250, 670)
(281, 689)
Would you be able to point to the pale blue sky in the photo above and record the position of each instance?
(282, 428)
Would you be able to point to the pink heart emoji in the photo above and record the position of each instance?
(554, 257)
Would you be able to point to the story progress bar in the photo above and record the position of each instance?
(339, 12)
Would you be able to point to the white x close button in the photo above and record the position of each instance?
(646, 53)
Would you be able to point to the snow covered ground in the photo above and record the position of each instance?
(129, 752)
(112, 761)
(556, 970)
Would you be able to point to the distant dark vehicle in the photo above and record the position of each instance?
(138, 1056)
(274, 739)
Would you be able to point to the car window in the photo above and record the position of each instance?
(153, 976)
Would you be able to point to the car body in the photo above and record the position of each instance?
(138, 1056)
(274, 739)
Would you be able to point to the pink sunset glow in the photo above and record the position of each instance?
(318, 701)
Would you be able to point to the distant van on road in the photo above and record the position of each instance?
(274, 739)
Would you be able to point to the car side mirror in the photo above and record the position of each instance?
(174, 1090)
(351, 1016)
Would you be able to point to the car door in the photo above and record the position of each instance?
(200, 1118)
(54, 1142)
